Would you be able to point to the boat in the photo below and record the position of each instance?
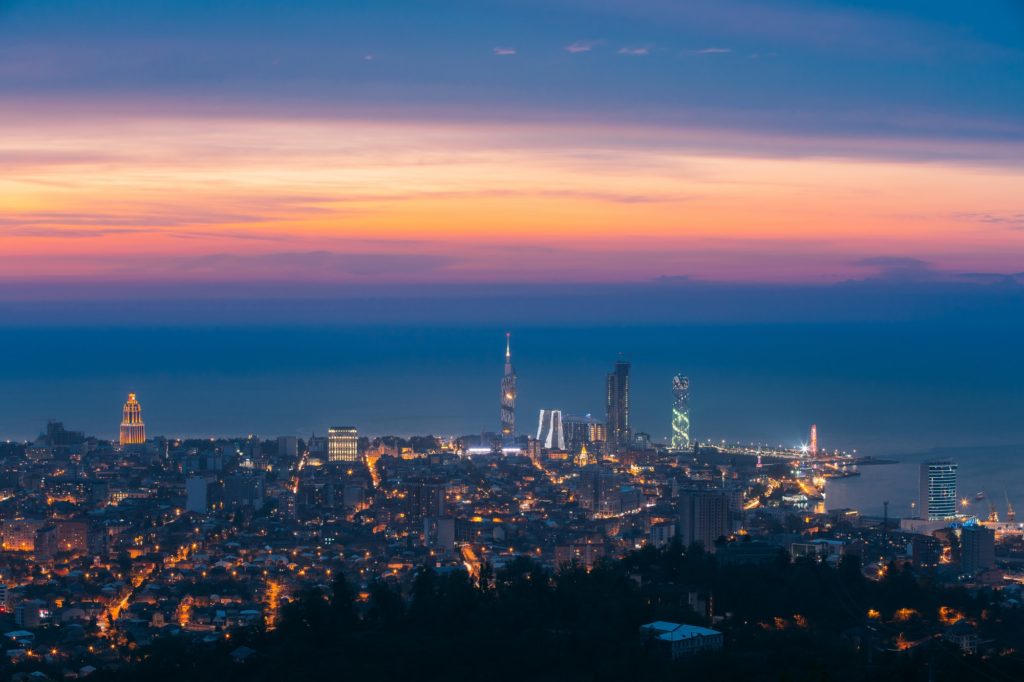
(978, 497)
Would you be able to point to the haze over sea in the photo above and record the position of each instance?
(904, 370)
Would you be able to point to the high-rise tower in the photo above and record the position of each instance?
(133, 431)
(814, 440)
(549, 430)
(508, 394)
(938, 489)
(680, 412)
(619, 432)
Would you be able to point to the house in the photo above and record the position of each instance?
(963, 635)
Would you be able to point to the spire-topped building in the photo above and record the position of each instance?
(508, 393)
(133, 431)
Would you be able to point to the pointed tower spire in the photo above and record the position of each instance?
(508, 394)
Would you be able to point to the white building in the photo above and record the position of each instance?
(682, 640)
(549, 430)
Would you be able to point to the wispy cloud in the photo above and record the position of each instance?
(1013, 221)
(635, 51)
(893, 262)
(311, 264)
(712, 50)
(902, 268)
(582, 46)
(504, 51)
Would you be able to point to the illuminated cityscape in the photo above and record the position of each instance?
(762, 259)
(201, 540)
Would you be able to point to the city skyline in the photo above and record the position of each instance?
(575, 387)
(763, 262)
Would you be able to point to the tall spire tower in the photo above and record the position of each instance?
(508, 394)
(133, 431)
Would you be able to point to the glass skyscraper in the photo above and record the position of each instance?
(620, 435)
(938, 489)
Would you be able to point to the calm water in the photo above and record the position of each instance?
(996, 471)
(880, 388)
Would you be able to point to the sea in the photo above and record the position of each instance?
(904, 391)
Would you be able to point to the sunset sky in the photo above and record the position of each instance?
(550, 141)
(271, 215)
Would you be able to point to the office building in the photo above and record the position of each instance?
(680, 412)
(977, 549)
(439, 532)
(19, 535)
(133, 431)
(549, 430)
(287, 446)
(243, 490)
(620, 435)
(580, 431)
(342, 444)
(508, 394)
(662, 534)
(197, 494)
(704, 516)
(426, 499)
(72, 536)
(938, 489)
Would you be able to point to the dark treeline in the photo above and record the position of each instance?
(785, 620)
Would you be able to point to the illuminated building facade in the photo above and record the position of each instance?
(133, 431)
(620, 434)
(19, 535)
(680, 412)
(342, 444)
(549, 430)
(814, 440)
(580, 431)
(508, 394)
(938, 489)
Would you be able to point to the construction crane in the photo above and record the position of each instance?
(1011, 515)
(993, 515)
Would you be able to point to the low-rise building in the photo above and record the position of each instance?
(678, 640)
